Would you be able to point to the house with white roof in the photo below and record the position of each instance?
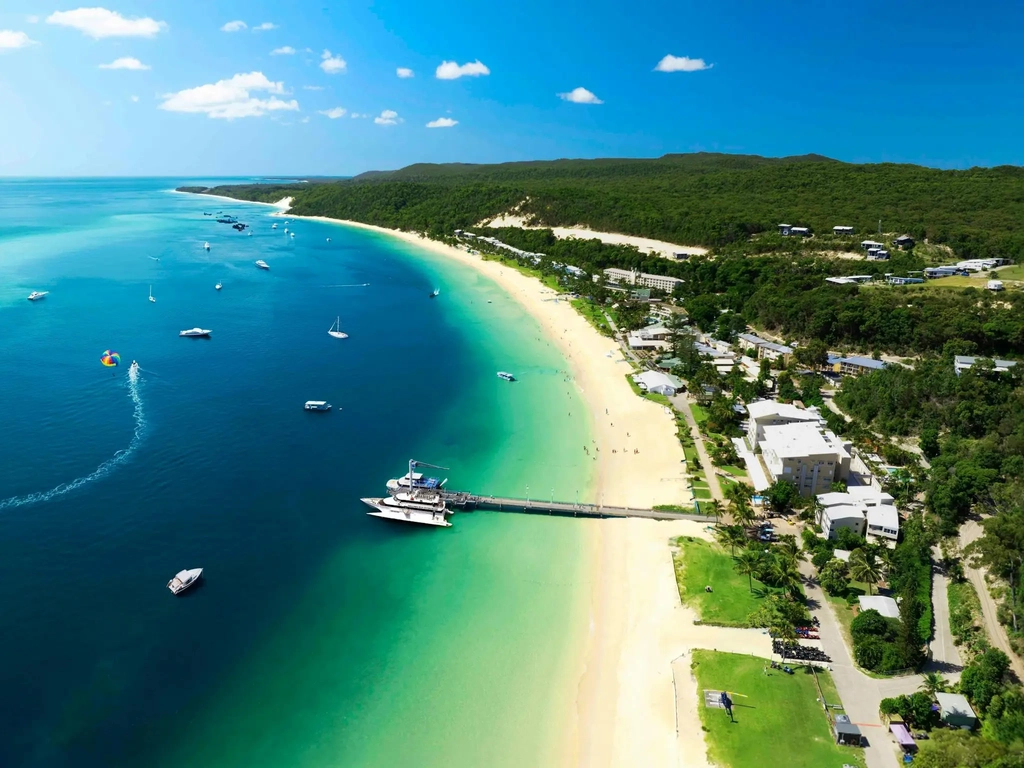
(876, 517)
(659, 383)
(805, 454)
(884, 605)
(962, 363)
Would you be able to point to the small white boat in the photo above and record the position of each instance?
(293, 234)
(262, 264)
(184, 579)
(274, 225)
(328, 239)
(250, 233)
(317, 405)
(151, 294)
(218, 286)
(196, 333)
(206, 246)
(436, 293)
(336, 331)
(286, 230)
(37, 295)
(506, 376)
(287, 222)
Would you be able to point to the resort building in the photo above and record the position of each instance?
(651, 337)
(771, 413)
(632, 277)
(659, 383)
(962, 363)
(842, 230)
(947, 271)
(877, 254)
(977, 265)
(868, 244)
(904, 242)
(805, 454)
(767, 349)
(865, 510)
(850, 279)
(854, 365)
(893, 280)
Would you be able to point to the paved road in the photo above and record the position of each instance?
(970, 531)
(945, 656)
(682, 404)
(861, 694)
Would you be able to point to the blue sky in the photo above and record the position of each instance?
(931, 83)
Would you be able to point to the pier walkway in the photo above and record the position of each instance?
(459, 500)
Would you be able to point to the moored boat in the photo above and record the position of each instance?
(506, 376)
(184, 579)
(317, 405)
(262, 264)
(196, 333)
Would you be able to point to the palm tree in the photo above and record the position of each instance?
(748, 562)
(933, 683)
(785, 575)
(715, 508)
(739, 492)
(742, 513)
(864, 568)
(730, 536)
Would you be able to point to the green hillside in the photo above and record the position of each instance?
(695, 199)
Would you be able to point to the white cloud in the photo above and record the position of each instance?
(234, 26)
(304, 120)
(99, 22)
(285, 50)
(11, 40)
(125, 62)
(356, 115)
(580, 96)
(228, 99)
(387, 117)
(681, 64)
(135, 99)
(442, 122)
(405, 72)
(266, 26)
(334, 113)
(332, 65)
(33, 19)
(450, 70)
(312, 87)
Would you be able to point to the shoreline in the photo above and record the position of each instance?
(655, 475)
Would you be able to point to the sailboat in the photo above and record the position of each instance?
(336, 331)
(151, 294)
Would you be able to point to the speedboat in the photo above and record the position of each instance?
(317, 405)
(262, 264)
(328, 239)
(196, 333)
(218, 286)
(206, 246)
(151, 297)
(506, 376)
(436, 293)
(293, 234)
(184, 579)
(274, 225)
(37, 295)
(286, 230)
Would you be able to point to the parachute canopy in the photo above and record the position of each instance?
(110, 359)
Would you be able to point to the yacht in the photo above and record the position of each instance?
(37, 295)
(262, 264)
(184, 579)
(336, 331)
(274, 225)
(317, 405)
(418, 481)
(411, 506)
(151, 294)
(196, 333)
(206, 246)
(506, 376)
(218, 286)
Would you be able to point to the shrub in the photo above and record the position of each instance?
(868, 652)
(835, 577)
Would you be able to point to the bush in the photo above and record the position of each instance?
(868, 652)
(873, 624)
(835, 577)
(822, 557)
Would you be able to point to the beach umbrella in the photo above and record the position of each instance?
(110, 359)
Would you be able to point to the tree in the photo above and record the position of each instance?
(780, 497)
(871, 623)
(863, 567)
(786, 575)
(1001, 549)
(730, 536)
(958, 749)
(715, 508)
(748, 563)
(868, 652)
(813, 354)
(929, 442)
(932, 683)
(835, 577)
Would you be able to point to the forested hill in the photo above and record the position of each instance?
(692, 199)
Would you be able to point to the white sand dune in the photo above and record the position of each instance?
(645, 244)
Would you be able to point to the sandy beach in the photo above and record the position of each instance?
(621, 421)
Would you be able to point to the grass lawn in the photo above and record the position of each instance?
(593, 314)
(734, 471)
(699, 414)
(845, 612)
(699, 563)
(725, 483)
(778, 717)
(701, 495)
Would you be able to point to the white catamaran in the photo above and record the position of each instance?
(413, 499)
(336, 331)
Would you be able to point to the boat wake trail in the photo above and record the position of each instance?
(352, 285)
(103, 469)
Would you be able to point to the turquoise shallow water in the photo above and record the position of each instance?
(320, 636)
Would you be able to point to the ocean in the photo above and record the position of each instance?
(319, 636)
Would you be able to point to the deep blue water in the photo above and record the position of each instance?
(101, 666)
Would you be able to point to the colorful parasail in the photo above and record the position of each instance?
(110, 359)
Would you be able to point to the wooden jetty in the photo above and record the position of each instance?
(459, 500)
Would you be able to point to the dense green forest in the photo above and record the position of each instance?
(693, 199)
